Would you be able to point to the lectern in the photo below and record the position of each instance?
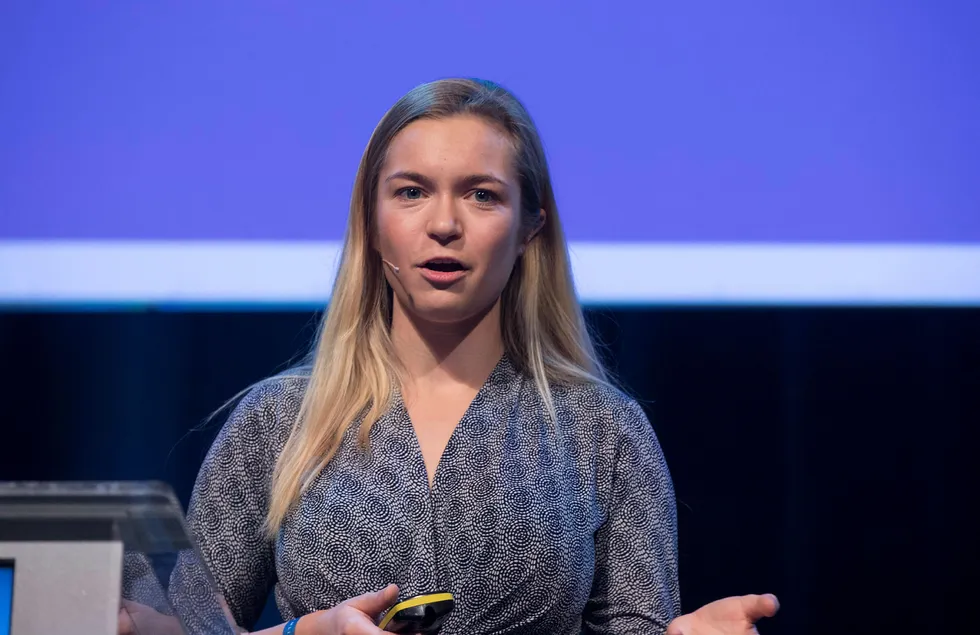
(102, 558)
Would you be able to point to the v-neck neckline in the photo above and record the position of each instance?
(501, 371)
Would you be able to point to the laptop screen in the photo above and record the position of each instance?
(6, 594)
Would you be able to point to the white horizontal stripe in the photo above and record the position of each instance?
(58, 273)
(778, 273)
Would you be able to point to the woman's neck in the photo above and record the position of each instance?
(443, 355)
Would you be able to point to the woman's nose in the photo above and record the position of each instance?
(443, 225)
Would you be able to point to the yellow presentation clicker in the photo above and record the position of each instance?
(421, 614)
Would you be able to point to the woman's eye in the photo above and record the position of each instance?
(411, 193)
(484, 196)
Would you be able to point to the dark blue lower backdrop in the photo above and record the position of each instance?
(827, 455)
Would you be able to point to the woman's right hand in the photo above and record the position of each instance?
(139, 619)
(356, 616)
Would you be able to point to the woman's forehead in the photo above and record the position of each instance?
(463, 144)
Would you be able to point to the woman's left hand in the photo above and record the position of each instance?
(730, 616)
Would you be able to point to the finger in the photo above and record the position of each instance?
(132, 607)
(360, 624)
(679, 626)
(126, 626)
(374, 603)
(757, 607)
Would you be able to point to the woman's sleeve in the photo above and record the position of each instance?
(635, 587)
(230, 500)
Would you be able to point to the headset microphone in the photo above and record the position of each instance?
(392, 265)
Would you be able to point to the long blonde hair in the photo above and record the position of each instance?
(353, 371)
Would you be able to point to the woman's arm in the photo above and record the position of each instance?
(228, 507)
(356, 616)
(635, 587)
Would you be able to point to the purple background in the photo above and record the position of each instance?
(703, 120)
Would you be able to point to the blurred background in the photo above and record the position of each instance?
(774, 216)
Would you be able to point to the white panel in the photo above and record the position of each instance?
(251, 273)
(65, 587)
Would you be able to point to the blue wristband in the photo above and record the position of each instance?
(290, 628)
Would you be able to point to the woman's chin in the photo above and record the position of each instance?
(447, 313)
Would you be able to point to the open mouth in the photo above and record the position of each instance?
(443, 265)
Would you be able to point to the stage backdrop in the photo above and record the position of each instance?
(709, 151)
(826, 455)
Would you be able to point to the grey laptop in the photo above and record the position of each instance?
(100, 559)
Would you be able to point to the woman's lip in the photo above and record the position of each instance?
(443, 261)
(442, 277)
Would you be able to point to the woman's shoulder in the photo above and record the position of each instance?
(595, 398)
(264, 414)
(612, 431)
(274, 398)
(602, 411)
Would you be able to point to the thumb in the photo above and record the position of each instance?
(125, 624)
(759, 606)
(679, 626)
(374, 603)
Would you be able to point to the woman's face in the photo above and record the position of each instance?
(448, 216)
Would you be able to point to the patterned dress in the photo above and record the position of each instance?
(533, 527)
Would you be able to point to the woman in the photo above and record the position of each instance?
(454, 430)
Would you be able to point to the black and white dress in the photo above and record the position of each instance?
(533, 527)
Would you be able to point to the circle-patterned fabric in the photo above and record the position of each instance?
(533, 526)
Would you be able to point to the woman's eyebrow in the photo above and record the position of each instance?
(480, 179)
(421, 179)
(426, 182)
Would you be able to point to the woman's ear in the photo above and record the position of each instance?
(538, 226)
(542, 218)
